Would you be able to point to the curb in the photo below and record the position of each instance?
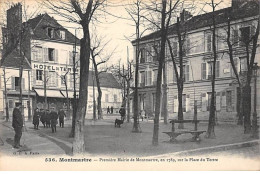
(211, 149)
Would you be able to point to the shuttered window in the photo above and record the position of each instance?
(203, 71)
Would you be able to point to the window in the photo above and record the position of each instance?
(115, 98)
(50, 32)
(208, 42)
(62, 35)
(175, 48)
(39, 75)
(63, 79)
(52, 78)
(229, 100)
(210, 70)
(51, 54)
(203, 71)
(148, 78)
(235, 38)
(243, 65)
(209, 100)
(37, 54)
(142, 53)
(16, 83)
(142, 79)
(245, 35)
(107, 98)
(186, 70)
(155, 73)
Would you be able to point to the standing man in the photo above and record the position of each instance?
(122, 113)
(53, 117)
(112, 109)
(36, 118)
(61, 114)
(17, 124)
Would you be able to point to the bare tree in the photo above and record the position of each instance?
(99, 58)
(6, 96)
(81, 13)
(135, 12)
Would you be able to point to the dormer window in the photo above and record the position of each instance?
(50, 32)
(62, 35)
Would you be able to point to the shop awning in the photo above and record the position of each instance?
(49, 93)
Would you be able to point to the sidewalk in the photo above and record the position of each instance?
(102, 138)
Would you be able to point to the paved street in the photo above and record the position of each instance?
(102, 138)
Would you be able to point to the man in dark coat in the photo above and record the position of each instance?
(17, 124)
(122, 113)
(43, 117)
(48, 118)
(53, 117)
(108, 110)
(61, 114)
(111, 110)
(36, 118)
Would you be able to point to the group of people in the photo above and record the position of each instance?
(110, 110)
(48, 118)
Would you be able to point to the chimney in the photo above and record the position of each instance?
(14, 17)
(185, 15)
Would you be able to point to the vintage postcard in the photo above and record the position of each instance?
(135, 85)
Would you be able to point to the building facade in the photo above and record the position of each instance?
(47, 49)
(198, 62)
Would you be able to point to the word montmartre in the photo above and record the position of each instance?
(75, 160)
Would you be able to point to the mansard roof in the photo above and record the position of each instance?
(249, 9)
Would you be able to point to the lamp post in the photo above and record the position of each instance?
(255, 127)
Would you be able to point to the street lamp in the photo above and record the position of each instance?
(255, 127)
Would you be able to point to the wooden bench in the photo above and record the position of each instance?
(195, 133)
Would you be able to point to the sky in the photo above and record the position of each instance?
(116, 31)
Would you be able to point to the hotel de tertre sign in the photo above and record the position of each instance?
(57, 68)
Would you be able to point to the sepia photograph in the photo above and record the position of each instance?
(129, 85)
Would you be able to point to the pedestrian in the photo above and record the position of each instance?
(108, 110)
(17, 124)
(122, 113)
(53, 117)
(48, 118)
(36, 118)
(61, 114)
(112, 109)
(43, 117)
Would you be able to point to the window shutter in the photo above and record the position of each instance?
(203, 71)
(218, 106)
(56, 56)
(40, 55)
(204, 102)
(34, 77)
(70, 58)
(217, 69)
(45, 54)
(223, 102)
(71, 81)
(34, 54)
(13, 83)
(187, 78)
(187, 102)
(23, 83)
(175, 104)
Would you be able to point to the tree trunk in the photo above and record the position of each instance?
(136, 125)
(164, 111)
(6, 98)
(159, 76)
(180, 110)
(99, 106)
(211, 124)
(247, 108)
(128, 100)
(79, 139)
(240, 112)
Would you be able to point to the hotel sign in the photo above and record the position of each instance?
(57, 68)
